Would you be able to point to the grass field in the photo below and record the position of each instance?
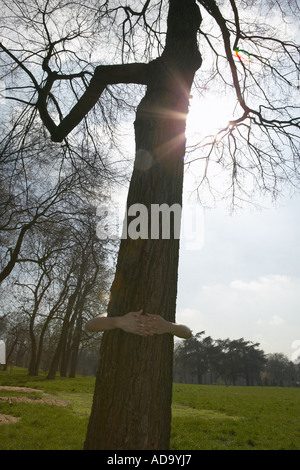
(54, 416)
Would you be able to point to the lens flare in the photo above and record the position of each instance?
(242, 55)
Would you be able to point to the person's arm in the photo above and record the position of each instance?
(158, 325)
(131, 323)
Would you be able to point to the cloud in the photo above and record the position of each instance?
(276, 320)
(189, 312)
(264, 310)
(245, 281)
(263, 283)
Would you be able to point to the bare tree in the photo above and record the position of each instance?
(38, 191)
(52, 286)
(86, 260)
(261, 141)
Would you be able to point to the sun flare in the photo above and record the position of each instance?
(207, 117)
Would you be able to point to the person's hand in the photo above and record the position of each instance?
(156, 324)
(134, 322)
(149, 325)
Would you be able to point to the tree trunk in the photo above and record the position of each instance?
(63, 337)
(66, 350)
(33, 353)
(133, 392)
(41, 339)
(75, 345)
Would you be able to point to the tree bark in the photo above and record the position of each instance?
(63, 337)
(133, 392)
(14, 253)
(75, 345)
(32, 369)
(45, 327)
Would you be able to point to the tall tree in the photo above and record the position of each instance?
(132, 398)
(142, 381)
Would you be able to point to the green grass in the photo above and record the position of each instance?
(43, 426)
(204, 417)
(235, 418)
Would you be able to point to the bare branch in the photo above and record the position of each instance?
(104, 75)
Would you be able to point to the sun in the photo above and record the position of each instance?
(207, 116)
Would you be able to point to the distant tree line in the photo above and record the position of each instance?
(66, 357)
(60, 278)
(203, 360)
(68, 350)
(63, 283)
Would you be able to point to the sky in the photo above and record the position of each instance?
(243, 280)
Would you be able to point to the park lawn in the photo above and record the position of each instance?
(235, 418)
(45, 426)
(203, 417)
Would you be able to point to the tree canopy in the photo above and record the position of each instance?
(54, 66)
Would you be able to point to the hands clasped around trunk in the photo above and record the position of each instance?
(139, 324)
